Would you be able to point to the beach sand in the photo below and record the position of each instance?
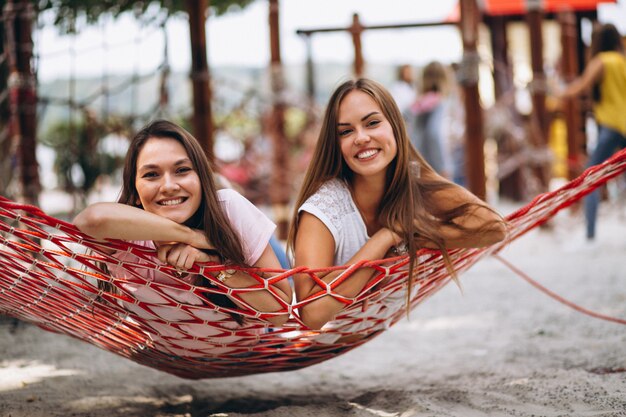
(498, 348)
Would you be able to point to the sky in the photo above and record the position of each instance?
(242, 38)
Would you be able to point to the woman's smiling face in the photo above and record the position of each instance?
(166, 180)
(366, 137)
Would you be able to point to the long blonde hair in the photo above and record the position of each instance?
(407, 207)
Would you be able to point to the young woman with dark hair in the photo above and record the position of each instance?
(169, 201)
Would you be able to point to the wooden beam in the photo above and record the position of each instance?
(355, 30)
(310, 68)
(571, 107)
(502, 74)
(23, 85)
(474, 134)
(377, 27)
(539, 119)
(279, 180)
(200, 77)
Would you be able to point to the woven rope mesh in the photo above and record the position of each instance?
(49, 273)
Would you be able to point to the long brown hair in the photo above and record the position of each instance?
(209, 217)
(407, 207)
(605, 38)
(434, 78)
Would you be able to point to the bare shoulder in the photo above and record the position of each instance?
(310, 225)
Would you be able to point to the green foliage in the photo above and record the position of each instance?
(295, 122)
(76, 146)
(220, 7)
(238, 123)
(68, 11)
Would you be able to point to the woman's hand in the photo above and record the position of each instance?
(181, 255)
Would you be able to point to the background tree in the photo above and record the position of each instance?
(6, 155)
(18, 17)
(80, 159)
(68, 12)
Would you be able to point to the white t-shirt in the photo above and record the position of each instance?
(334, 206)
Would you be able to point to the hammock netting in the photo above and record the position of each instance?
(49, 273)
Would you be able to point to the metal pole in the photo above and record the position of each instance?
(474, 135)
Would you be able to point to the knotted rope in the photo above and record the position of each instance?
(49, 273)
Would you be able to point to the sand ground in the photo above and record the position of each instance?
(499, 349)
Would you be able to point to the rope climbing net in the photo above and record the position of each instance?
(49, 273)
(89, 86)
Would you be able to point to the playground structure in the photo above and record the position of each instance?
(497, 16)
(48, 277)
(20, 102)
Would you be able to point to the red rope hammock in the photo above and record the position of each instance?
(49, 273)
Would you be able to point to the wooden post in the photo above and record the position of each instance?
(6, 152)
(164, 94)
(200, 77)
(502, 74)
(279, 184)
(511, 186)
(581, 47)
(474, 135)
(535, 30)
(539, 120)
(23, 90)
(310, 69)
(355, 30)
(571, 107)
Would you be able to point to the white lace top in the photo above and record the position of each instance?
(333, 205)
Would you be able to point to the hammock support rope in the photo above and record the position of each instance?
(49, 273)
(555, 296)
